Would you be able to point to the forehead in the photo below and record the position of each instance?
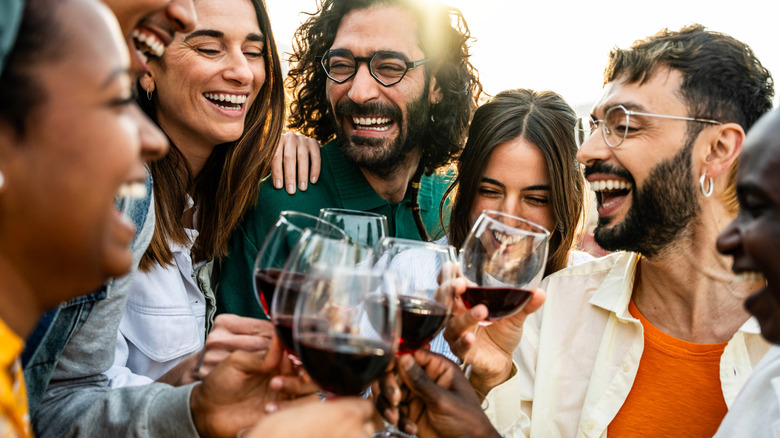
(659, 94)
(515, 154)
(379, 27)
(760, 158)
(227, 15)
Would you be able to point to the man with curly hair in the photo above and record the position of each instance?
(388, 85)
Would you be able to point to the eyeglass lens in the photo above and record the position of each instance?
(615, 127)
(386, 67)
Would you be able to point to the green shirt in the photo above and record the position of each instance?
(341, 185)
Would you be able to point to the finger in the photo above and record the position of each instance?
(462, 324)
(537, 299)
(303, 163)
(417, 380)
(290, 163)
(243, 325)
(277, 172)
(315, 161)
(293, 385)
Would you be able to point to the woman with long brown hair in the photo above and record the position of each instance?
(217, 94)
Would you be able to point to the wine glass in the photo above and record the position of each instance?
(277, 247)
(361, 226)
(504, 258)
(424, 306)
(345, 327)
(314, 249)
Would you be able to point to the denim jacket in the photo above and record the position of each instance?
(74, 344)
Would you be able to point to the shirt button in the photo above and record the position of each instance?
(626, 367)
(589, 425)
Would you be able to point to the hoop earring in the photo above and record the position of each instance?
(707, 192)
(149, 92)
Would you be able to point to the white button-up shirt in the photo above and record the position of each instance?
(756, 411)
(580, 353)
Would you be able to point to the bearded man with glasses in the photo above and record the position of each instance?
(388, 85)
(651, 340)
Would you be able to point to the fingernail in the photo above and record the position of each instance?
(278, 183)
(275, 384)
(313, 179)
(291, 188)
(302, 185)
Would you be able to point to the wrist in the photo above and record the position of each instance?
(198, 411)
(484, 382)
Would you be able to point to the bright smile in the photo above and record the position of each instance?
(229, 102)
(610, 193)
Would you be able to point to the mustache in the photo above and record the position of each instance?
(348, 107)
(609, 170)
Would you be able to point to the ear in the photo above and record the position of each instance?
(147, 82)
(435, 94)
(723, 149)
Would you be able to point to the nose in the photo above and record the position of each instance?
(154, 143)
(363, 87)
(181, 15)
(511, 205)
(729, 239)
(594, 149)
(238, 70)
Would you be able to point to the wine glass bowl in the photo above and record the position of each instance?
(345, 327)
(423, 304)
(277, 247)
(361, 226)
(314, 250)
(504, 258)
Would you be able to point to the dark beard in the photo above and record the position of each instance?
(663, 209)
(373, 154)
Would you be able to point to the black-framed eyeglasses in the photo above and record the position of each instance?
(617, 125)
(388, 68)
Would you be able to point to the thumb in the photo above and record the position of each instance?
(416, 379)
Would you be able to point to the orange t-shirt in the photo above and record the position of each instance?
(677, 389)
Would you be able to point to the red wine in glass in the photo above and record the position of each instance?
(342, 365)
(421, 320)
(265, 280)
(500, 301)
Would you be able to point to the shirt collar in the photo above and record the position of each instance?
(353, 188)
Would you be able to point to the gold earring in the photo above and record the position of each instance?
(149, 92)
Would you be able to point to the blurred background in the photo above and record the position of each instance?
(563, 45)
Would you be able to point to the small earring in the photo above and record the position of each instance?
(707, 192)
(433, 119)
(149, 92)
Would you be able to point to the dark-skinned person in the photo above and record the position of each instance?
(752, 239)
(388, 86)
(653, 339)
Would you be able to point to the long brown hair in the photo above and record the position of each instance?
(228, 184)
(545, 120)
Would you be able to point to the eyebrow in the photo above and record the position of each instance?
(529, 188)
(219, 34)
(114, 75)
(627, 105)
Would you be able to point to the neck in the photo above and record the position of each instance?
(689, 291)
(194, 149)
(19, 308)
(393, 187)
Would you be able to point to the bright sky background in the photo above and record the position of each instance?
(563, 45)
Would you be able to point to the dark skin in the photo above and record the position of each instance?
(753, 237)
(438, 400)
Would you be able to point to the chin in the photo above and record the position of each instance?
(117, 263)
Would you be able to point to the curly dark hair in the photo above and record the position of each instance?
(444, 36)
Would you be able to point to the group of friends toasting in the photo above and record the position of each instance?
(144, 171)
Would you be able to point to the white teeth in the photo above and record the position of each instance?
(610, 184)
(504, 239)
(231, 98)
(150, 41)
(134, 190)
(749, 277)
(372, 123)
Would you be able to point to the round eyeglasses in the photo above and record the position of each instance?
(617, 124)
(388, 68)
